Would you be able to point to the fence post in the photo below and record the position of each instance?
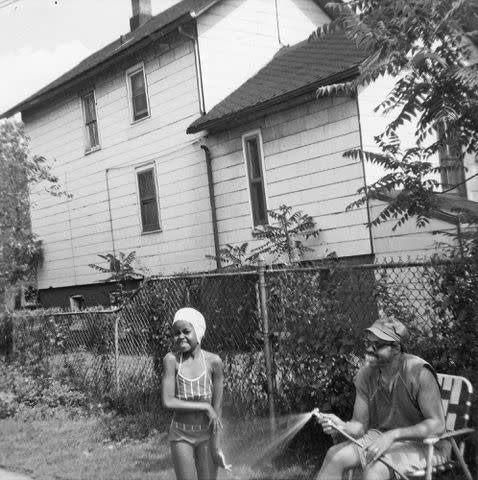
(116, 354)
(267, 345)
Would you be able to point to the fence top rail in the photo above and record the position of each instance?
(81, 313)
(205, 275)
(362, 266)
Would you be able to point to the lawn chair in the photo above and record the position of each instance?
(456, 395)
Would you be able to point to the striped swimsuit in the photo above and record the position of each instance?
(197, 389)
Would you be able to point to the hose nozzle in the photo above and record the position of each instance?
(316, 412)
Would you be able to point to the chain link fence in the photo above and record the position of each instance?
(315, 318)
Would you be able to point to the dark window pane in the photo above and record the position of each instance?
(253, 158)
(146, 184)
(148, 201)
(259, 212)
(149, 215)
(93, 139)
(140, 106)
(89, 107)
(137, 83)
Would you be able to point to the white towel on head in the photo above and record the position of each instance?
(194, 317)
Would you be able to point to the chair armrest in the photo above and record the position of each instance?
(455, 433)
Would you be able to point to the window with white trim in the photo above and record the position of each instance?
(254, 158)
(138, 93)
(148, 199)
(90, 120)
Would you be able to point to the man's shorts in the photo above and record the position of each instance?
(407, 454)
(192, 434)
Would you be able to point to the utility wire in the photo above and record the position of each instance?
(7, 3)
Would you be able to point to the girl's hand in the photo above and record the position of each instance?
(219, 459)
(214, 419)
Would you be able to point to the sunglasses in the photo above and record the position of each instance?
(377, 345)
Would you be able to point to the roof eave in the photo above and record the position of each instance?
(219, 124)
(36, 100)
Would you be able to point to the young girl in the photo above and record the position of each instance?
(192, 387)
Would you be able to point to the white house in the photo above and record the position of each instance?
(176, 138)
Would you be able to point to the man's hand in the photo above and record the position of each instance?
(327, 419)
(379, 446)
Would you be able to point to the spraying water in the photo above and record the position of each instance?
(251, 444)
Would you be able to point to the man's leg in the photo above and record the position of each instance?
(376, 471)
(339, 457)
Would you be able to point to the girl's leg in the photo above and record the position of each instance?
(184, 464)
(206, 468)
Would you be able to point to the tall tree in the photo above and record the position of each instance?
(426, 45)
(20, 248)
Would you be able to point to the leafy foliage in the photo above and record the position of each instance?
(19, 174)
(284, 240)
(121, 269)
(234, 256)
(283, 236)
(407, 175)
(426, 44)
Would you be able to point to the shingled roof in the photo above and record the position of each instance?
(292, 72)
(156, 27)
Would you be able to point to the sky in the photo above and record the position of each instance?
(42, 39)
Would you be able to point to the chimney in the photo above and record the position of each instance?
(141, 13)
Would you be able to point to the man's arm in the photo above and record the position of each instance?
(429, 400)
(356, 427)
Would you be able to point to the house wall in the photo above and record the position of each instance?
(408, 241)
(373, 123)
(75, 230)
(238, 37)
(304, 168)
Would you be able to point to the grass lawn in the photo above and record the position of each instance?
(66, 449)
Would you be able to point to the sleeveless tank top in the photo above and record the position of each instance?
(197, 389)
(396, 406)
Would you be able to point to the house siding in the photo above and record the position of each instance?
(373, 123)
(408, 242)
(304, 168)
(75, 230)
(238, 37)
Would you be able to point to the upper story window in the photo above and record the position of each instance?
(254, 158)
(453, 175)
(90, 119)
(148, 198)
(138, 93)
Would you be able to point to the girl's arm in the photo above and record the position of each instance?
(217, 394)
(168, 389)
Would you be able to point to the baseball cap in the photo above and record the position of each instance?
(389, 329)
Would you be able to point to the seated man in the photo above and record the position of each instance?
(397, 403)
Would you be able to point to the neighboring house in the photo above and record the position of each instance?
(176, 139)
